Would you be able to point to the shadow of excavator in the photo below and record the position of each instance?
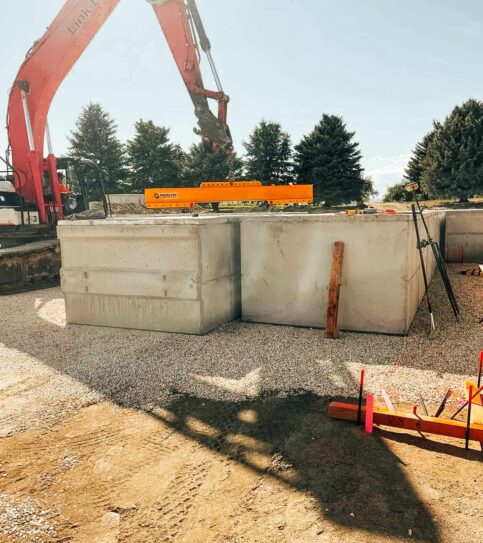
(286, 437)
(345, 470)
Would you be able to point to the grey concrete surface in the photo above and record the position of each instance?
(464, 235)
(286, 261)
(177, 274)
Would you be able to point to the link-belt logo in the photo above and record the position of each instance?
(159, 195)
(84, 14)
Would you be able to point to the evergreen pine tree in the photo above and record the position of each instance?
(268, 154)
(454, 162)
(95, 139)
(153, 160)
(203, 163)
(415, 167)
(330, 160)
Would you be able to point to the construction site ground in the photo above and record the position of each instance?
(110, 436)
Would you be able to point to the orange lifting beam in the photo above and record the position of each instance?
(228, 191)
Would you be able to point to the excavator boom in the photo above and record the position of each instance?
(181, 24)
(45, 67)
(49, 61)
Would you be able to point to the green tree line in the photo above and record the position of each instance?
(448, 161)
(328, 157)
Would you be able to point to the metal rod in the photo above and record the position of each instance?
(423, 269)
(214, 71)
(480, 369)
(439, 262)
(49, 141)
(444, 276)
(203, 39)
(458, 411)
(422, 217)
(424, 406)
(443, 403)
(468, 419)
(28, 123)
(361, 391)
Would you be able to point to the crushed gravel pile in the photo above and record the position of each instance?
(132, 209)
(48, 368)
(23, 520)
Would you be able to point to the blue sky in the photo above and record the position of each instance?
(388, 67)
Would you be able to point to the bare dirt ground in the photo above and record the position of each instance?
(113, 436)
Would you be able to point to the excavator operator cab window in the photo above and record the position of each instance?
(47, 186)
(71, 178)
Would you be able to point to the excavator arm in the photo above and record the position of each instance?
(49, 61)
(182, 25)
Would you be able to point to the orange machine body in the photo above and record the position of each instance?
(228, 191)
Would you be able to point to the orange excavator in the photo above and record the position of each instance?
(33, 196)
(34, 175)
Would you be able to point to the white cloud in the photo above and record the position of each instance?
(386, 170)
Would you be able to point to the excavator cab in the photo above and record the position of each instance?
(29, 252)
(82, 186)
(82, 183)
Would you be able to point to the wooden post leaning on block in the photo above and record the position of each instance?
(331, 328)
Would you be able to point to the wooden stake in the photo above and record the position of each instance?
(369, 413)
(331, 329)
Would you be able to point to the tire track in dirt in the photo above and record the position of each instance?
(165, 519)
(22, 386)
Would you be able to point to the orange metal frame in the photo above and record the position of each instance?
(408, 421)
(228, 191)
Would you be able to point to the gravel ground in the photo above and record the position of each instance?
(23, 520)
(49, 369)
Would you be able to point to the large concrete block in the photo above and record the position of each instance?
(286, 261)
(173, 274)
(464, 235)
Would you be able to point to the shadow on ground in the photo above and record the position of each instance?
(288, 438)
(345, 470)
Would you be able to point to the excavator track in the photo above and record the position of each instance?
(30, 266)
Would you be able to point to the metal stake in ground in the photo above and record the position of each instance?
(413, 187)
(480, 369)
(423, 269)
(424, 405)
(471, 398)
(468, 420)
(361, 392)
(443, 403)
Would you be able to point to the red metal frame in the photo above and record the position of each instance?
(50, 60)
